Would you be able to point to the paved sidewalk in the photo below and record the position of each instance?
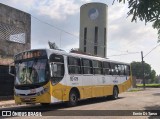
(7, 103)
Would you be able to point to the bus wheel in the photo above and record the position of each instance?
(73, 98)
(115, 93)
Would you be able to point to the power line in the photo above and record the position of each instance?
(151, 50)
(129, 53)
(120, 50)
(62, 30)
(115, 50)
(124, 54)
(69, 33)
(54, 26)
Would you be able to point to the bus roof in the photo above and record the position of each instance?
(50, 51)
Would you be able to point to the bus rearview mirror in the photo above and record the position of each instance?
(53, 68)
(11, 69)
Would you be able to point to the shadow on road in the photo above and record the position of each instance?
(153, 109)
(156, 94)
(59, 106)
(96, 100)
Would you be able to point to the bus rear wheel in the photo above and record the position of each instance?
(73, 98)
(115, 93)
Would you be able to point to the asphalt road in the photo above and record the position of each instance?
(145, 102)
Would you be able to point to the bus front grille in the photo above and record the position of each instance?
(28, 99)
(33, 94)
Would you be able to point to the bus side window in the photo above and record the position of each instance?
(74, 65)
(127, 70)
(112, 69)
(87, 66)
(56, 67)
(120, 69)
(97, 67)
(124, 71)
(116, 70)
(57, 70)
(106, 68)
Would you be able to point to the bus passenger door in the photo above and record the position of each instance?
(57, 71)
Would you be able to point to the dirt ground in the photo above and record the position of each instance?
(136, 102)
(148, 99)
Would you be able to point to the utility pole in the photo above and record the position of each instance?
(143, 70)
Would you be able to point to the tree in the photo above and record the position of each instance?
(136, 68)
(145, 10)
(153, 76)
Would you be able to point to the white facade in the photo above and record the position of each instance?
(93, 29)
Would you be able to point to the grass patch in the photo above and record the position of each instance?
(134, 90)
(149, 85)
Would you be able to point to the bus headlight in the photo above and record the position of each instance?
(39, 93)
(44, 90)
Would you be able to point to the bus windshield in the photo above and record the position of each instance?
(30, 71)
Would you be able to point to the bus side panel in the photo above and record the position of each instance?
(87, 83)
(101, 86)
(87, 91)
(98, 91)
(108, 90)
(60, 92)
(125, 86)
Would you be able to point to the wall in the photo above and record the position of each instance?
(15, 32)
(6, 81)
(15, 36)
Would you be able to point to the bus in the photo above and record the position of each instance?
(50, 76)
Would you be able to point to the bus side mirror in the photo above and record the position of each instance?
(11, 70)
(55, 67)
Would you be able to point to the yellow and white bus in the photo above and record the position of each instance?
(49, 76)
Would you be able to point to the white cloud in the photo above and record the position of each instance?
(70, 46)
(56, 9)
(122, 34)
(116, 11)
(86, 1)
(28, 3)
(20, 4)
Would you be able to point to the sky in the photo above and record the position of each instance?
(123, 36)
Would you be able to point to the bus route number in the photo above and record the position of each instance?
(73, 78)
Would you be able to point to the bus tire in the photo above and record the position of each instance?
(115, 93)
(73, 98)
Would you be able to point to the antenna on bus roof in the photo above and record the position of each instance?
(52, 45)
